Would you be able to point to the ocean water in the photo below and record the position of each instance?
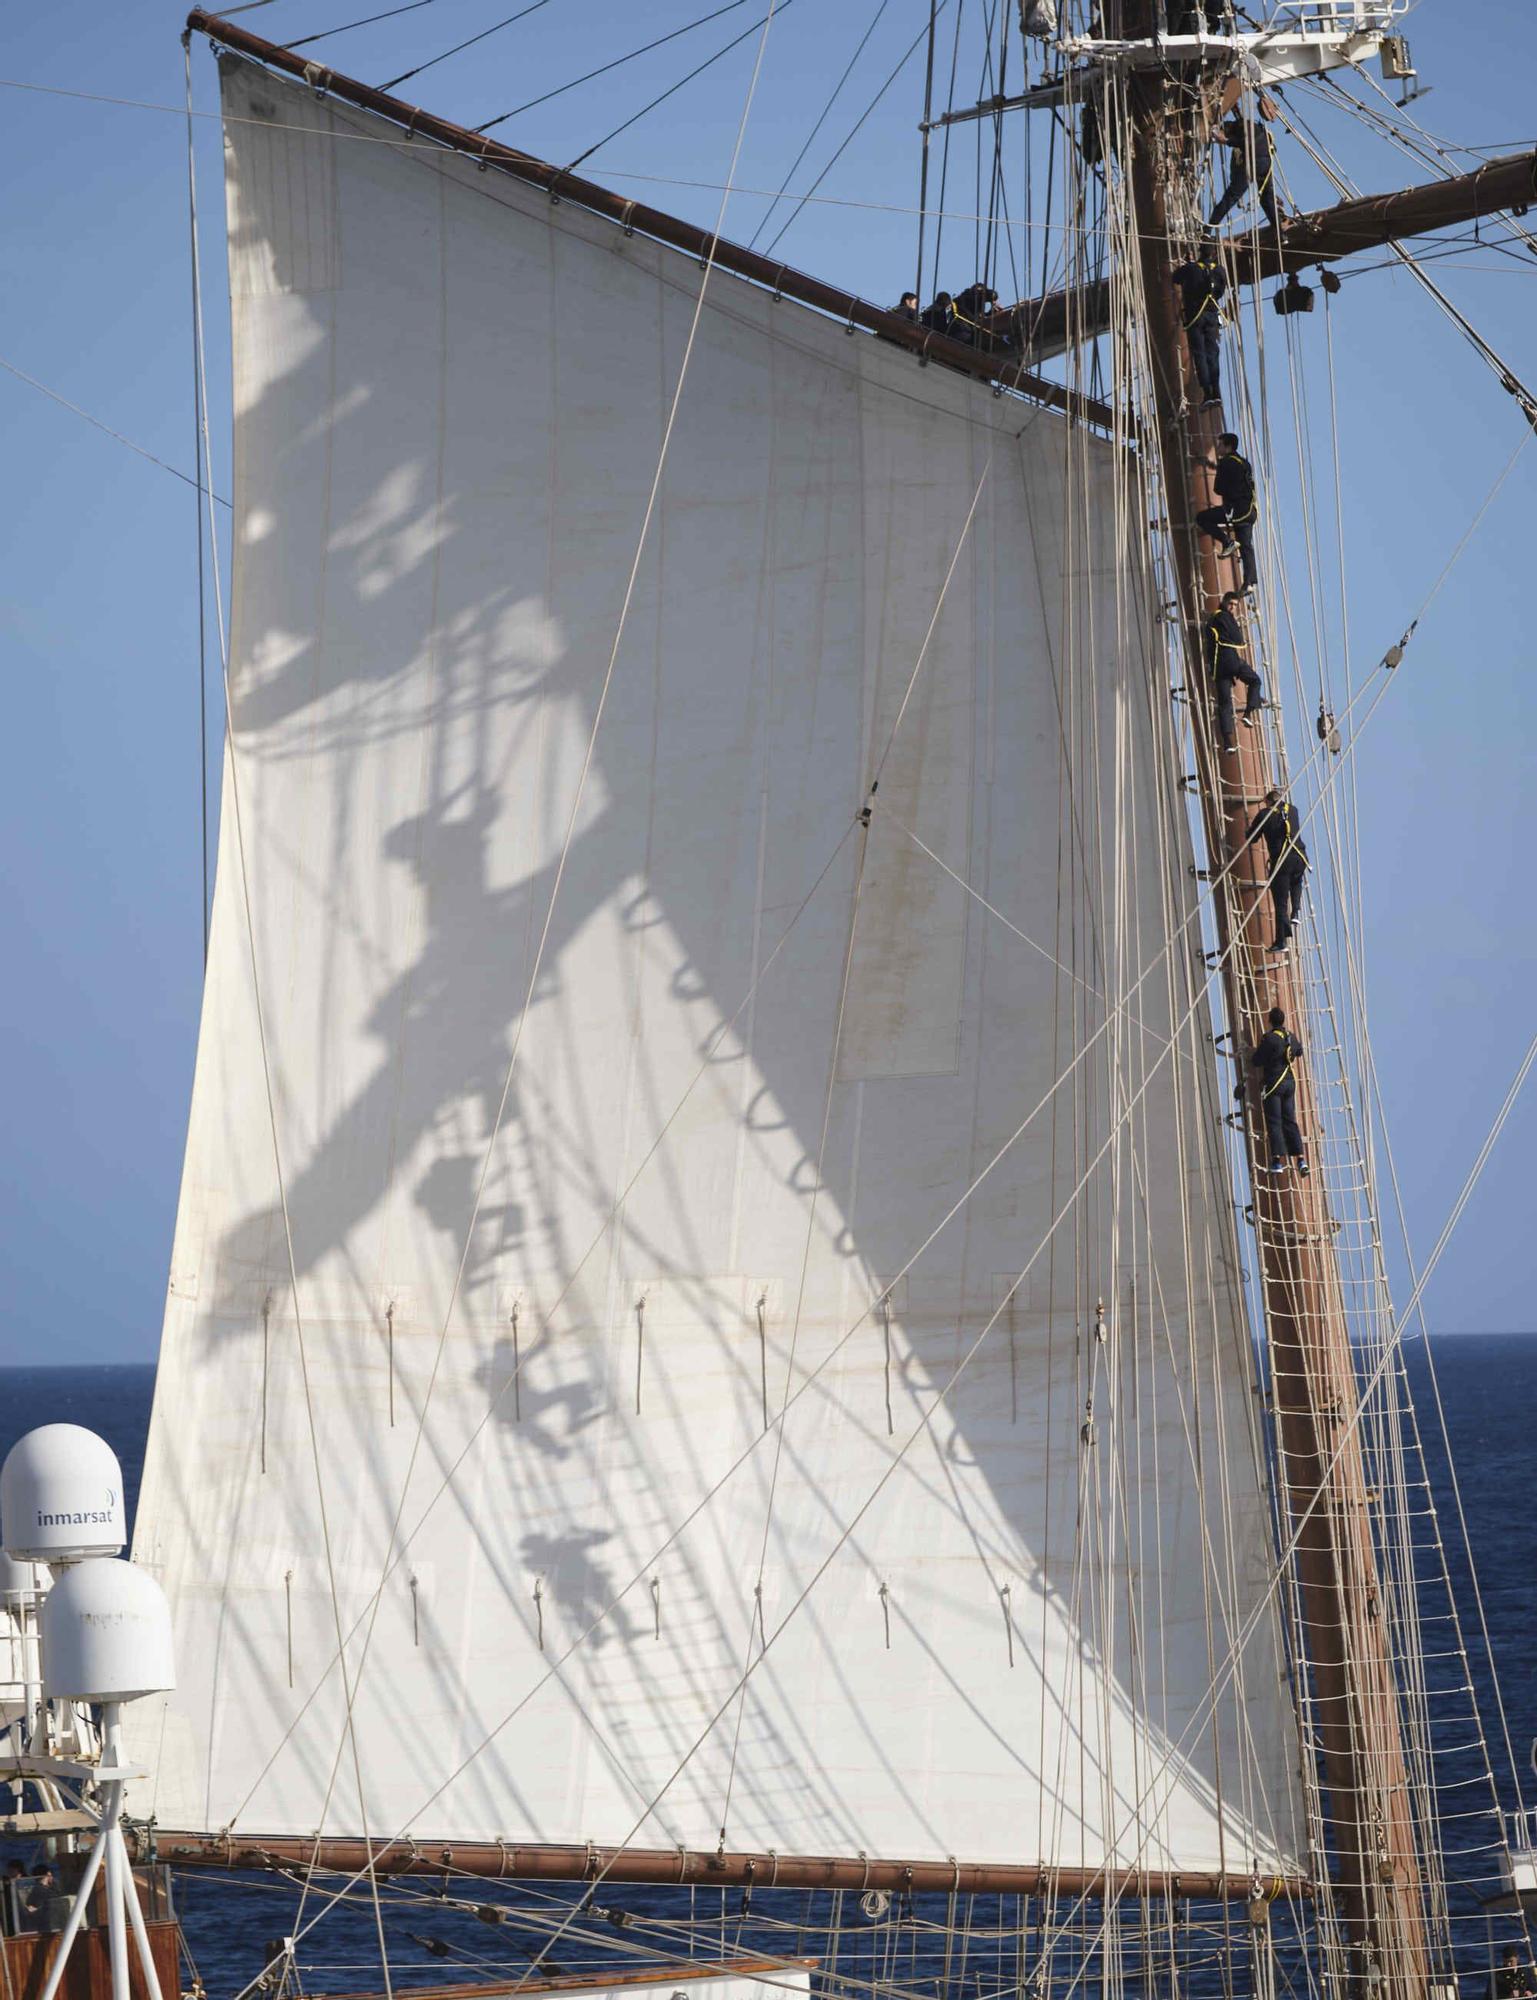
(1487, 1391)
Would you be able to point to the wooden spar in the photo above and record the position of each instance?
(1061, 319)
(1321, 1474)
(654, 1972)
(1373, 220)
(562, 185)
(720, 1869)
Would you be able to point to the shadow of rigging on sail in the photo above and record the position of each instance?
(445, 1042)
(511, 1380)
(585, 1591)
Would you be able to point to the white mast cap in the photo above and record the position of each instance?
(106, 1631)
(61, 1496)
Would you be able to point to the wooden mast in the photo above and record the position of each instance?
(1321, 1473)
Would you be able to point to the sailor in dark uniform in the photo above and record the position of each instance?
(1513, 1980)
(1249, 140)
(941, 317)
(1201, 282)
(1277, 824)
(1233, 518)
(973, 308)
(1227, 660)
(1278, 1049)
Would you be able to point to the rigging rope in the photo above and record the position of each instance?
(617, 63)
(367, 22)
(64, 403)
(458, 48)
(902, 62)
(777, 8)
(822, 116)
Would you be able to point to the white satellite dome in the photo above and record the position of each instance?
(107, 1634)
(61, 1496)
(18, 1580)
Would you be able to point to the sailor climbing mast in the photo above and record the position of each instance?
(1324, 1498)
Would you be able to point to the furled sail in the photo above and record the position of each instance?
(564, 1311)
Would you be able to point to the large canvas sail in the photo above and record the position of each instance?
(560, 1309)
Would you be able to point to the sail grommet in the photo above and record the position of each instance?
(484, 159)
(625, 222)
(853, 308)
(555, 182)
(779, 283)
(923, 352)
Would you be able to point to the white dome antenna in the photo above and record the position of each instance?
(106, 1638)
(107, 1634)
(61, 1497)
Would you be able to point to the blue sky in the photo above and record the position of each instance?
(101, 885)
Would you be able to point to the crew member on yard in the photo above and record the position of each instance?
(940, 317)
(1278, 1050)
(1277, 824)
(1231, 522)
(1227, 660)
(1201, 282)
(972, 309)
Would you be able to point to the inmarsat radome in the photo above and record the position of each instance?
(103, 1637)
(61, 1497)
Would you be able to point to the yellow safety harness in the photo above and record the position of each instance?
(1283, 1037)
(1214, 633)
(1209, 300)
(1238, 519)
(1292, 843)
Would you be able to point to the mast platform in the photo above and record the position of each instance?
(1305, 38)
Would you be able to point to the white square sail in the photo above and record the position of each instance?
(605, 1386)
